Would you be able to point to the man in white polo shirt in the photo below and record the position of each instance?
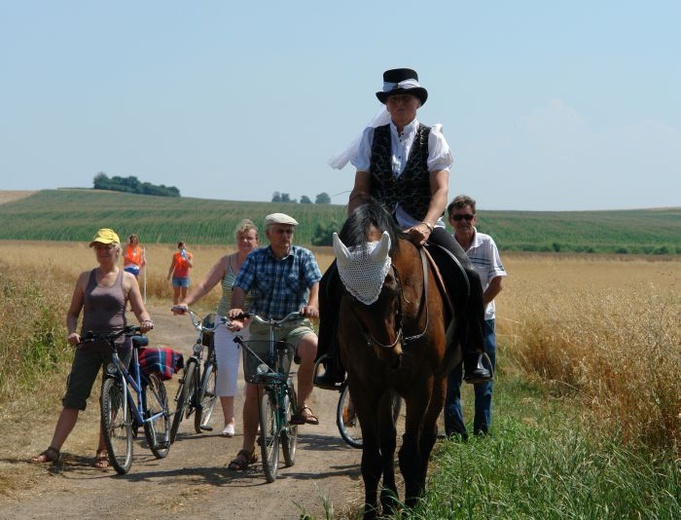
(484, 256)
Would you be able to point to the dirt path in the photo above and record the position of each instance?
(193, 481)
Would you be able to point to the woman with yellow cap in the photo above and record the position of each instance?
(102, 295)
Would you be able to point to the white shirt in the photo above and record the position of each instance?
(439, 157)
(484, 256)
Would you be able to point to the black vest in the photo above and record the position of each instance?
(412, 188)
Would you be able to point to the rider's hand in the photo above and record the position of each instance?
(236, 317)
(310, 312)
(180, 308)
(146, 326)
(73, 338)
(418, 234)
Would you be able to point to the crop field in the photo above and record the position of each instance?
(604, 329)
(73, 215)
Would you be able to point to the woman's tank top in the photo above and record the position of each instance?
(227, 282)
(103, 308)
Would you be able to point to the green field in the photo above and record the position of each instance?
(74, 215)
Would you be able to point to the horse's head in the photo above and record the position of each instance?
(372, 284)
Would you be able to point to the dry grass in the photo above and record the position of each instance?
(605, 330)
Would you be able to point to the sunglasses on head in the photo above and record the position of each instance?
(458, 217)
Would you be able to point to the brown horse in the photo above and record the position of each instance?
(392, 338)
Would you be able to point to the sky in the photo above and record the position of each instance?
(547, 105)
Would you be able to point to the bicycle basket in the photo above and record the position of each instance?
(207, 335)
(259, 353)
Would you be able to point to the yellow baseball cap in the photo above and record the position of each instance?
(105, 236)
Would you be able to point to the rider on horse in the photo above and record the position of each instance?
(404, 165)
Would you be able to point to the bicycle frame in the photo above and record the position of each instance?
(116, 369)
(130, 399)
(196, 392)
(278, 400)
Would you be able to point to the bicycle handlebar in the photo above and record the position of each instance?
(129, 330)
(272, 321)
(197, 321)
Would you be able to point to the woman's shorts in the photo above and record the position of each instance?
(180, 282)
(132, 269)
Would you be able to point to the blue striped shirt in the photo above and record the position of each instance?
(278, 286)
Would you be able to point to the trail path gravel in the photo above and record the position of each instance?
(193, 480)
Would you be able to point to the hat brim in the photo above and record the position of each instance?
(420, 92)
(103, 241)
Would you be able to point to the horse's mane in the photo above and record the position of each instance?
(356, 229)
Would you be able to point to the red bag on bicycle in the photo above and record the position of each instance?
(162, 361)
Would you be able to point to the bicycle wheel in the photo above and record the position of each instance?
(115, 423)
(289, 433)
(184, 397)
(269, 435)
(347, 421)
(156, 416)
(206, 399)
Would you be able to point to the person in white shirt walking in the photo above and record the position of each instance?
(484, 255)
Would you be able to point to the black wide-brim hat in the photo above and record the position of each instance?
(401, 81)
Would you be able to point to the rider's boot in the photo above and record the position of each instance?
(333, 375)
(473, 369)
(327, 345)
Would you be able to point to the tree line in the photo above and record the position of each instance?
(133, 185)
(322, 198)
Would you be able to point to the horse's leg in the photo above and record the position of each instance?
(429, 430)
(411, 461)
(388, 433)
(365, 404)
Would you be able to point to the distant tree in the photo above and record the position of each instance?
(276, 197)
(323, 198)
(285, 197)
(323, 235)
(132, 185)
(305, 200)
(101, 181)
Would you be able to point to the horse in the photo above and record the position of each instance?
(393, 326)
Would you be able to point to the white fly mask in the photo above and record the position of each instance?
(363, 268)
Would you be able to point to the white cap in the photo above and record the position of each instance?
(280, 218)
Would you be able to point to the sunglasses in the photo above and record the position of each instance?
(459, 217)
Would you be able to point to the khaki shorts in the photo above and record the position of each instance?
(291, 332)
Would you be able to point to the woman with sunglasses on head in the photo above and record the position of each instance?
(102, 294)
(404, 165)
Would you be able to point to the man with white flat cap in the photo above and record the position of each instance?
(282, 278)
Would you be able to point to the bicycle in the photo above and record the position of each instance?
(196, 390)
(346, 418)
(130, 399)
(267, 363)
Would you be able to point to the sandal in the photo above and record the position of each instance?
(304, 416)
(101, 459)
(49, 455)
(242, 460)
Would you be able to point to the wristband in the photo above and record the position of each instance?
(428, 225)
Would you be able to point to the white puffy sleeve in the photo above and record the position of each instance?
(362, 159)
(439, 154)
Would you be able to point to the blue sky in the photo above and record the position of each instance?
(560, 105)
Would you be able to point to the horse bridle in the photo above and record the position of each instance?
(371, 340)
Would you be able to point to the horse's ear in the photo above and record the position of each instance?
(342, 253)
(380, 253)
